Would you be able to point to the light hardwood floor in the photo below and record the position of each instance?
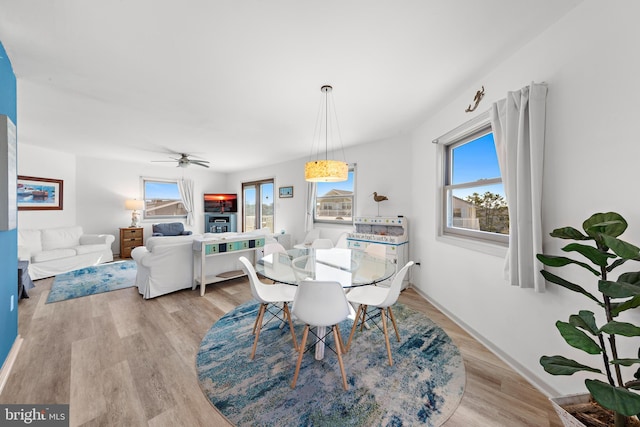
(119, 360)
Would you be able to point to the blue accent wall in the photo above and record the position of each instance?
(8, 239)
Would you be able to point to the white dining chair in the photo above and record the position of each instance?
(381, 298)
(272, 248)
(269, 295)
(322, 244)
(323, 305)
(342, 240)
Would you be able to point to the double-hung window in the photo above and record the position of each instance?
(335, 201)
(162, 199)
(474, 204)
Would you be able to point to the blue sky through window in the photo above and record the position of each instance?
(323, 188)
(474, 161)
(161, 190)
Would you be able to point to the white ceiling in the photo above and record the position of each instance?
(238, 82)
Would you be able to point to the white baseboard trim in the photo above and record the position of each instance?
(516, 366)
(11, 359)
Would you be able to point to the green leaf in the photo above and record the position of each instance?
(559, 365)
(560, 261)
(569, 233)
(592, 254)
(610, 223)
(616, 263)
(578, 339)
(621, 328)
(629, 304)
(617, 399)
(621, 248)
(566, 284)
(625, 362)
(619, 289)
(584, 320)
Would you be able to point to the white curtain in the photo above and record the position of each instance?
(519, 132)
(186, 192)
(311, 197)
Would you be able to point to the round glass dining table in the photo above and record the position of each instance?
(348, 266)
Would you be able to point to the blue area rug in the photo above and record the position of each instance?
(93, 280)
(423, 387)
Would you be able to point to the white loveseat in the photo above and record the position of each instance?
(52, 251)
(165, 264)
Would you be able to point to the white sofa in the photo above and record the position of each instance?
(165, 264)
(52, 251)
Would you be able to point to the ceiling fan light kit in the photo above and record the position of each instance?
(326, 170)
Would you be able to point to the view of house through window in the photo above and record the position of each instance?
(335, 200)
(475, 204)
(162, 199)
(257, 205)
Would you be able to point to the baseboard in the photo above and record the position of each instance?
(11, 359)
(533, 379)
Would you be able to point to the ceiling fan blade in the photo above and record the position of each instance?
(199, 164)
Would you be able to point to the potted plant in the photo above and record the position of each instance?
(582, 330)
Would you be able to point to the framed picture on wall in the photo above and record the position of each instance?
(39, 193)
(286, 192)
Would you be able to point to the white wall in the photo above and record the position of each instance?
(43, 163)
(95, 190)
(589, 61)
(382, 166)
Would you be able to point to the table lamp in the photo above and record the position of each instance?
(134, 206)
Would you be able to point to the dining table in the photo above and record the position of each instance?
(349, 267)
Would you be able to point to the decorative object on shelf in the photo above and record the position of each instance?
(286, 192)
(614, 296)
(134, 206)
(477, 99)
(184, 161)
(326, 170)
(379, 198)
(39, 193)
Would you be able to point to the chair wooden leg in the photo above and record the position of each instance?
(393, 320)
(300, 353)
(255, 324)
(386, 334)
(355, 325)
(342, 346)
(364, 318)
(257, 328)
(287, 313)
(336, 333)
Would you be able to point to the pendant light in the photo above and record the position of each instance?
(325, 170)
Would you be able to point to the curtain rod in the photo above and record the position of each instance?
(467, 127)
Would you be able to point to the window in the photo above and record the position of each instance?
(335, 200)
(257, 205)
(162, 199)
(474, 204)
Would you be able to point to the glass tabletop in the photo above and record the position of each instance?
(349, 267)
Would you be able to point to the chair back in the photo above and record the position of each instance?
(320, 303)
(311, 235)
(254, 282)
(322, 244)
(342, 241)
(396, 285)
(275, 247)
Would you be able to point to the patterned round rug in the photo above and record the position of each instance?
(423, 387)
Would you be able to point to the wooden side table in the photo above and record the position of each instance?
(130, 237)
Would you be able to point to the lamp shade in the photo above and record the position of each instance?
(134, 205)
(326, 171)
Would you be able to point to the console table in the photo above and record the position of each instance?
(220, 254)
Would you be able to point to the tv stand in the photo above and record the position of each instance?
(220, 222)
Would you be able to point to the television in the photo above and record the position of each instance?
(220, 203)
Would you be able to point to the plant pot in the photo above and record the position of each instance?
(567, 419)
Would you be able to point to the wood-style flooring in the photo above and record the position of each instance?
(119, 360)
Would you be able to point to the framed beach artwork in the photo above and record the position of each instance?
(39, 193)
(286, 192)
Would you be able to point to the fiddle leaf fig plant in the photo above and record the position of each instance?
(599, 252)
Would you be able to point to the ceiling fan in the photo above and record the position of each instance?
(184, 161)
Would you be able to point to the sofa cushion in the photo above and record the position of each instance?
(61, 237)
(169, 229)
(31, 239)
(87, 249)
(53, 254)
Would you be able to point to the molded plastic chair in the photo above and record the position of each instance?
(342, 241)
(321, 304)
(311, 235)
(382, 298)
(322, 244)
(269, 295)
